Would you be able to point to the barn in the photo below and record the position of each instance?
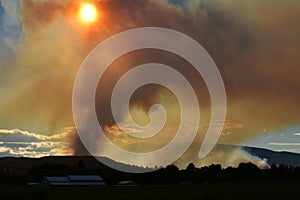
(73, 180)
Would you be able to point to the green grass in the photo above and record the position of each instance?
(238, 190)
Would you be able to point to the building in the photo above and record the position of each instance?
(128, 183)
(73, 180)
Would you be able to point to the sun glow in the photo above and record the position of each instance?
(88, 13)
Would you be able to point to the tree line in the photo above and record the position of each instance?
(168, 175)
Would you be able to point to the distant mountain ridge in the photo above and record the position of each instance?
(274, 157)
(271, 157)
(90, 162)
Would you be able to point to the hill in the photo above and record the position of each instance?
(274, 157)
(91, 163)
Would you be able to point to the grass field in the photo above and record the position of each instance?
(241, 190)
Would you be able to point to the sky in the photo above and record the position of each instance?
(255, 44)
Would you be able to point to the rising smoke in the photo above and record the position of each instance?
(254, 49)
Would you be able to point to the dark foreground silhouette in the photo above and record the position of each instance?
(212, 182)
(21, 171)
(249, 190)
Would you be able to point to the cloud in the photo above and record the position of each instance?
(284, 144)
(228, 126)
(26, 144)
(16, 134)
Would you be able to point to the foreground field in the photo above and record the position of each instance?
(241, 190)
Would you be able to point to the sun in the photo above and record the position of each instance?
(88, 13)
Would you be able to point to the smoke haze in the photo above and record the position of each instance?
(254, 43)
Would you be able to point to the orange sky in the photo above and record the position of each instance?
(254, 43)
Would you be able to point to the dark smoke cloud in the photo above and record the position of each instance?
(255, 54)
(254, 43)
(77, 146)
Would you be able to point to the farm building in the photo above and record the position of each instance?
(73, 180)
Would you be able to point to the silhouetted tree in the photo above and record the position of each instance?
(248, 171)
(80, 168)
(172, 174)
(190, 168)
